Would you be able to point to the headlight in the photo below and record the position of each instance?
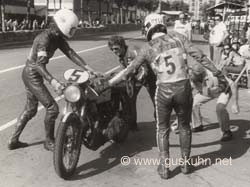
(72, 93)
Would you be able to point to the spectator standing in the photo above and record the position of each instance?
(15, 25)
(34, 25)
(182, 26)
(9, 25)
(42, 26)
(217, 35)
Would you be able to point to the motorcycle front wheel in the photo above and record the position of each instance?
(67, 146)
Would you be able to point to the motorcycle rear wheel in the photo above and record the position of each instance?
(67, 147)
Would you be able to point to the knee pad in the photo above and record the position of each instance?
(53, 109)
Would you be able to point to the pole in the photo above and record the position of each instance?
(47, 9)
(54, 6)
(28, 12)
(3, 15)
(81, 9)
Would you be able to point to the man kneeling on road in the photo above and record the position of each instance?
(34, 73)
(143, 77)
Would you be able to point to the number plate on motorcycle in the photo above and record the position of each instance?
(77, 76)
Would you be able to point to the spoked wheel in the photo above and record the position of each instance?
(67, 146)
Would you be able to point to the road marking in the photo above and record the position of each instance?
(12, 122)
(62, 56)
(54, 58)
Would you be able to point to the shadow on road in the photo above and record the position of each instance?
(232, 149)
(35, 143)
(137, 142)
(145, 139)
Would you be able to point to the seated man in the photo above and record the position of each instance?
(231, 61)
(206, 86)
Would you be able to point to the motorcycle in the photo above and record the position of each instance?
(89, 118)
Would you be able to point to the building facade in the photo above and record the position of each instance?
(195, 7)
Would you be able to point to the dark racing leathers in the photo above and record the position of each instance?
(175, 96)
(148, 81)
(44, 46)
(165, 54)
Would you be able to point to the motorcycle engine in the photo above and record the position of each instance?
(117, 129)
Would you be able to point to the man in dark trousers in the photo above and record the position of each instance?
(143, 77)
(35, 72)
(166, 54)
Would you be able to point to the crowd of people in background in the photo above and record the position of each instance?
(15, 25)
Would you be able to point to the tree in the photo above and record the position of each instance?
(149, 5)
(28, 12)
(107, 4)
(204, 7)
(120, 4)
(179, 6)
(129, 3)
(3, 14)
(47, 9)
(100, 8)
(54, 5)
(88, 12)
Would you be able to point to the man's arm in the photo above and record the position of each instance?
(41, 60)
(131, 68)
(74, 57)
(200, 57)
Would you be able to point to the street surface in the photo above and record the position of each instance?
(33, 166)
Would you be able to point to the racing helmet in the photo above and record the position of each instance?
(151, 22)
(67, 22)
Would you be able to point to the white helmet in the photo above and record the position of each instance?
(67, 21)
(151, 21)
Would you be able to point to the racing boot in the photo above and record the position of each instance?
(227, 136)
(49, 143)
(163, 169)
(186, 166)
(14, 142)
(163, 146)
(185, 144)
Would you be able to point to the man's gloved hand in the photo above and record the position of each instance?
(223, 83)
(141, 75)
(58, 87)
(100, 84)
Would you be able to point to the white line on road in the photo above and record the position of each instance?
(62, 56)
(54, 58)
(12, 122)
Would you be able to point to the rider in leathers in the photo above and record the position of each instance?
(166, 54)
(34, 73)
(144, 77)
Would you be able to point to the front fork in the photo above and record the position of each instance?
(72, 107)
